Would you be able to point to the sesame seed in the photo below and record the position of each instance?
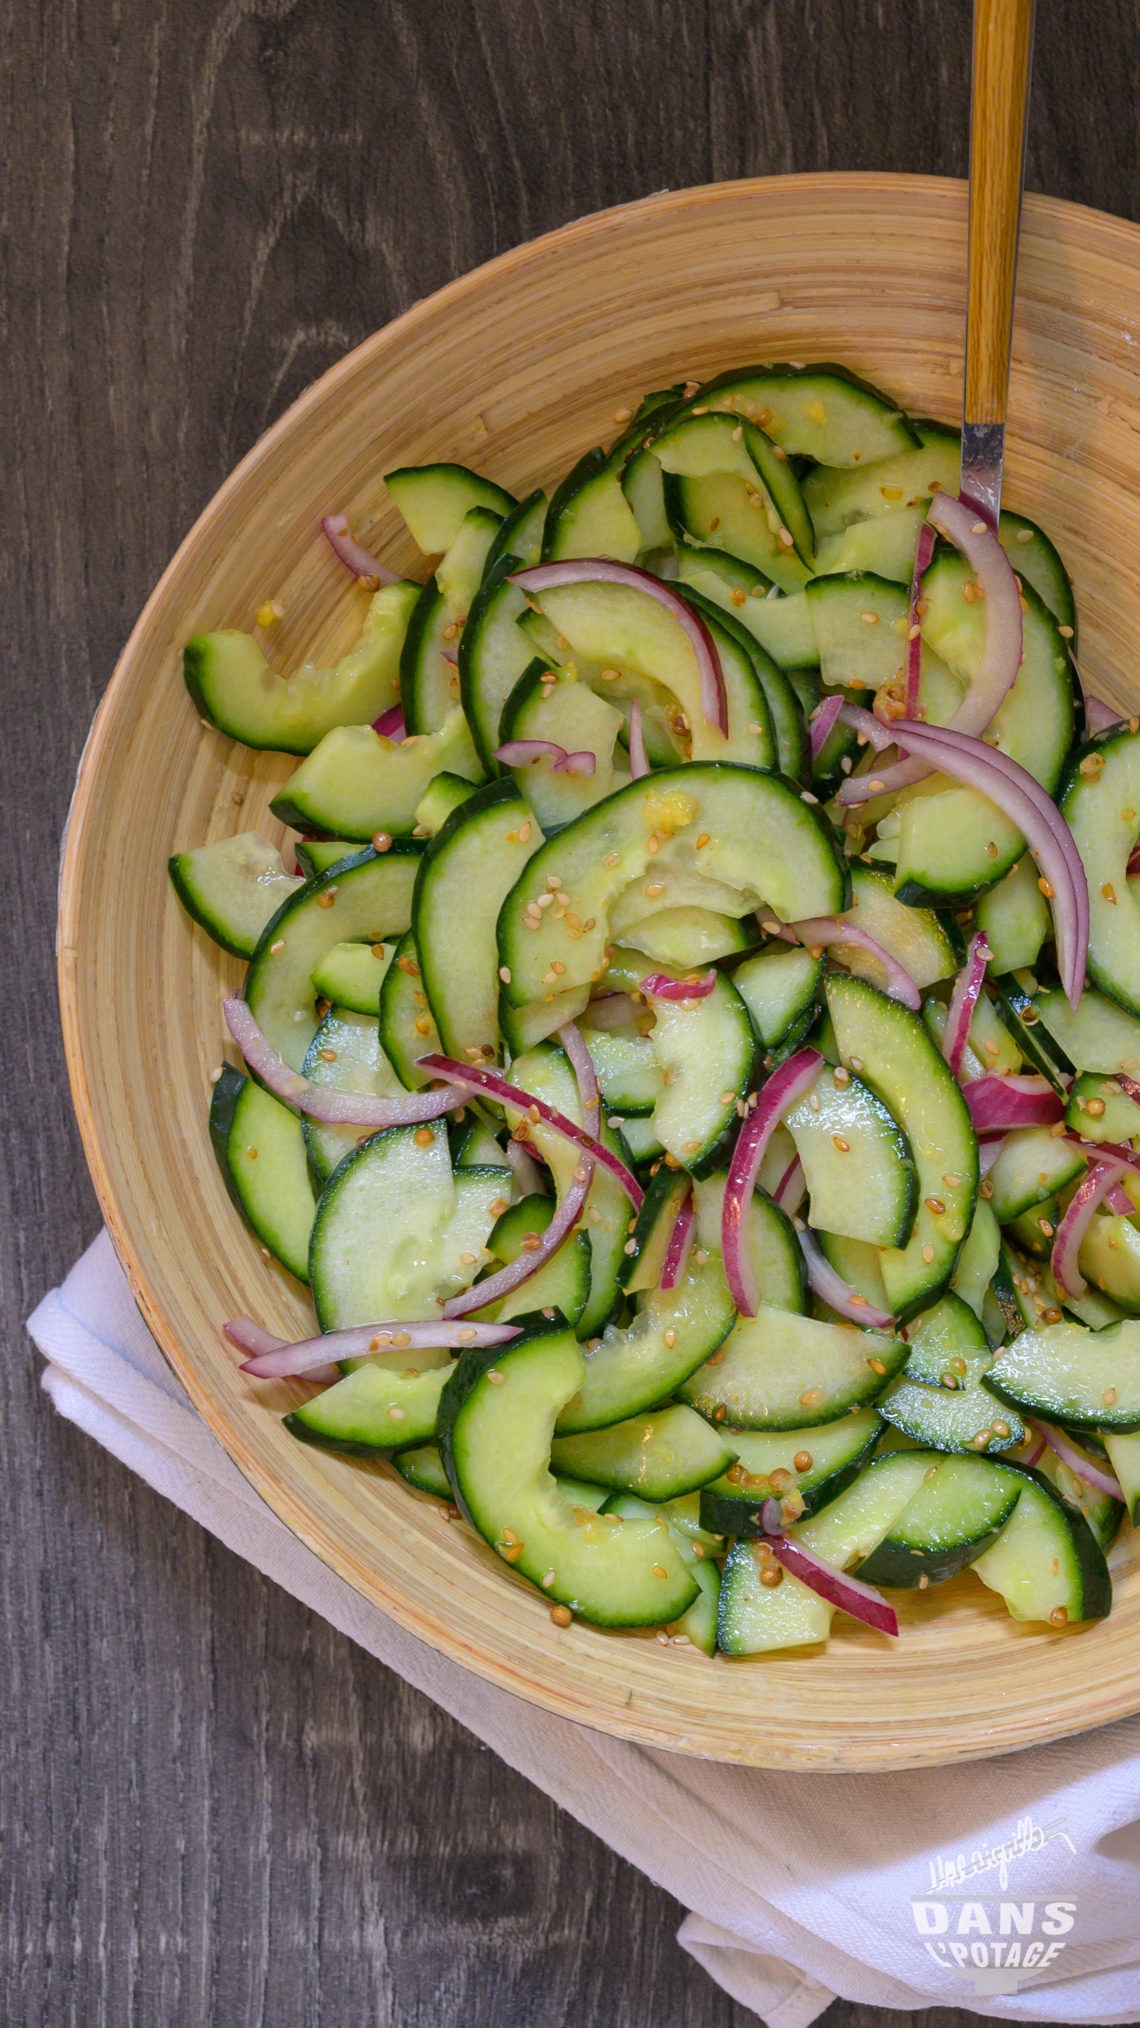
(1109, 892)
(928, 1253)
(809, 1399)
(494, 1376)
(1065, 632)
(277, 947)
(659, 1570)
(772, 1575)
(843, 1146)
(424, 1137)
(381, 841)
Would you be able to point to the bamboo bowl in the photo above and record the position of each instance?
(517, 368)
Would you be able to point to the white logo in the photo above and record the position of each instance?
(986, 1932)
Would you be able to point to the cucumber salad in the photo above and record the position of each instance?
(694, 1062)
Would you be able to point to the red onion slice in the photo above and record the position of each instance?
(790, 1190)
(280, 1360)
(353, 554)
(1133, 866)
(850, 1594)
(522, 753)
(602, 570)
(660, 986)
(469, 1078)
(1086, 1468)
(638, 758)
(1099, 716)
(1022, 799)
(923, 551)
(390, 724)
(1128, 1086)
(1090, 1192)
(819, 930)
(582, 1065)
(787, 1084)
(680, 1245)
(999, 1102)
(963, 1000)
(823, 723)
(1001, 648)
(317, 1102)
(1119, 1202)
(580, 762)
(837, 1293)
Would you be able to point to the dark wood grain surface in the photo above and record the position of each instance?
(214, 1809)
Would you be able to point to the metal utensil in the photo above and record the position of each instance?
(1003, 43)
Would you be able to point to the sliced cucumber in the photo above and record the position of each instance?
(1102, 1513)
(698, 1624)
(906, 476)
(636, 1366)
(1033, 1165)
(395, 1231)
(493, 653)
(520, 532)
(756, 1617)
(658, 1455)
(561, 1283)
(734, 825)
(777, 1371)
(821, 412)
(351, 975)
(1124, 1457)
(1110, 1257)
(1099, 1035)
(552, 704)
(1019, 1014)
(1101, 806)
(976, 1265)
(990, 1045)
(364, 899)
(407, 1030)
(860, 1172)
(233, 685)
(440, 798)
(467, 869)
(813, 1465)
(356, 783)
(691, 938)
(776, 1256)
(780, 987)
(887, 1046)
(958, 1514)
(1046, 1564)
(707, 1051)
(1083, 1379)
(436, 499)
(782, 713)
(884, 545)
(780, 623)
(316, 855)
(628, 1070)
(859, 622)
(429, 686)
(232, 888)
(261, 1151)
(495, 1441)
(345, 1055)
(697, 448)
(643, 484)
(458, 574)
(1015, 918)
(422, 1467)
(589, 514)
(389, 1400)
(917, 937)
(545, 1072)
(1100, 1110)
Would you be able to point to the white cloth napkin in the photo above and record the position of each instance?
(885, 1889)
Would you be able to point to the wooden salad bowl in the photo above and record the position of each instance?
(516, 369)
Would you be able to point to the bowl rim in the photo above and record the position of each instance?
(1040, 211)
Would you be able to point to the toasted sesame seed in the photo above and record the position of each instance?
(424, 1137)
(843, 1146)
(1109, 892)
(659, 1570)
(276, 947)
(928, 1253)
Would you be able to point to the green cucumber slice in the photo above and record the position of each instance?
(1083, 1379)
(351, 975)
(422, 1467)
(628, 1070)
(958, 1514)
(1099, 1035)
(1102, 809)
(1102, 1513)
(429, 686)
(436, 499)
(467, 869)
(643, 1253)
(780, 987)
(1124, 1457)
(395, 1231)
(859, 1170)
(690, 938)
(917, 937)
(344, 1055)
(391, 1399)
(711, 446)
(407, 1030)
(356, 783)
(1110, 1257)
(823, 412)
(990, 1046)
(707, 1052)
(859, 622)
(642, 482)
(561, 1283)
(261, 1152)
(1015, 918)
(698, 1624)
(906, 477)
(495, 1441)
(758, 837)
(1032, 1166)
(233, 685)
(520, 532)
(493, 653)
(766, 1468)
(316, 855)
(659, 1455)
(545, 1072)
(634, 1367)
(777, 1371)
(552, 704)
(777, 1257)
(782, 713)
(1046, 1563)
(589, 514)
(232, 888)
(887, 1045)
(443, 795)
(976, 1265)
(364, 899)
(1099, 1109)
(780, 623)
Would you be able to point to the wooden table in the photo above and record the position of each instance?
(216, 1810)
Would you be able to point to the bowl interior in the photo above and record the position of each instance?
(516, 369)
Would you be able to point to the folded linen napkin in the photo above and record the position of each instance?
(1011, 1887)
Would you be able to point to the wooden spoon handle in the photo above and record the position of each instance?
(1003, 39)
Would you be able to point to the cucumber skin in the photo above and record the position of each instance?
(724, 1516)
(473, 1364)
